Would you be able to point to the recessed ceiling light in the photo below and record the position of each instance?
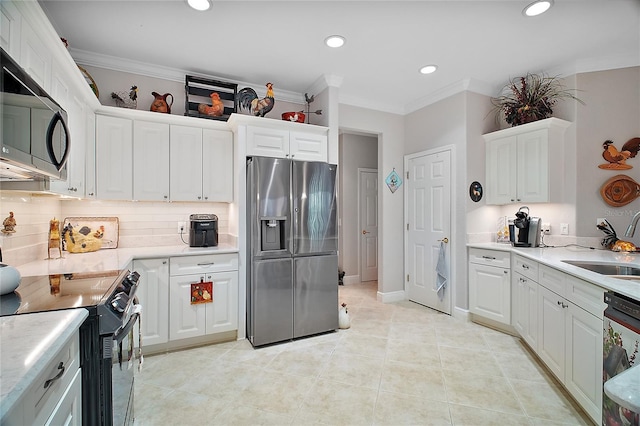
(537, 7)
(334, 41)
(200, 5)
(428, 69)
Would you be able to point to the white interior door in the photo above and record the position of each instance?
(368, 219)
(429, 222)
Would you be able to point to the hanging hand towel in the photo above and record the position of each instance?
(441, 273)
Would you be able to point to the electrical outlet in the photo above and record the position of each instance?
(181, 227)
(546, 228)
(600, 220)
(564, 229)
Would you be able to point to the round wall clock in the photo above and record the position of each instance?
(475, 191)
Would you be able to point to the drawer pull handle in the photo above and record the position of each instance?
(525, 267)
(489, 257)
(522, 280)
(206, 264)
(50, 381)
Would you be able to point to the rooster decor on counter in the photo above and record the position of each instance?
(611, 240)
(248, 101)
(126, 99)
(216, 109)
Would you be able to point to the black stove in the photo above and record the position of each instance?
(107, 333)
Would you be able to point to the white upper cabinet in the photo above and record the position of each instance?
(35, 57)
(10, 22)
(280, 139)
(151, 155)
(526, 163)
(114, 158)
(217, 165)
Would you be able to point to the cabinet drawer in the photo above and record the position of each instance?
(552, 279)
(186, 265)
(489, 257)
(586, 295)
(526, 267)
(57, 376)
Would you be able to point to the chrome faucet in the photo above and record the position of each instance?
(632, 227)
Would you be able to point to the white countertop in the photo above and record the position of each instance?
(28, 343)
(554, 256)
(113, 259)
(624, 389)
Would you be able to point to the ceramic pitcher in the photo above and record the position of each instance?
(160, 103)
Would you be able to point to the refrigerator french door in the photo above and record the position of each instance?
(292, 252)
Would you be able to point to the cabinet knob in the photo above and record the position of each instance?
(512, 199)
(206, 198)
(522, 280)
(91, 194)
(505, 271)
(525, 267)
(199, 197)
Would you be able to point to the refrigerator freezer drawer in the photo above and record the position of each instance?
(271, 307)
(315, 305)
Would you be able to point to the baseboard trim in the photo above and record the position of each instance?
(461, 314)
(393, 296)
(351, 279)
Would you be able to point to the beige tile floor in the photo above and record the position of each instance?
(398, 364)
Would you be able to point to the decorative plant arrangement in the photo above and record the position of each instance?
(530, 98)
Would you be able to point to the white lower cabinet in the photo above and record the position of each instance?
(153, 294)
(55, 395)
(489, 285)
(560, 317)
(524, 311)
(187, 319)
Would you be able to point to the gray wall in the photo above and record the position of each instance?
(356, 151)
(612, 112)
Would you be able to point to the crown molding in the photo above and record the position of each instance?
(115, 63)
(465, 85)
(324, 82)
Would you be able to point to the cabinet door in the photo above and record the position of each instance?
(10, 22)
(551, 331)
(524, 310)
(501, 171)
(153, 293)
(489, 292)
(267, 142)
(69, 408)
(114, 158)
(35, 57)
(185, 320)
(308, 146)
(217, 165)
(533, 166)
(222, 314)
(583, 375)
(90, 154)
(151, 159)
(185, 163)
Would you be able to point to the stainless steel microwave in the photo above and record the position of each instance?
(35, 140)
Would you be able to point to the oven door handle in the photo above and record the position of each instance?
(121, 333)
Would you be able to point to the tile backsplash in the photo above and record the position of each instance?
(140, 223)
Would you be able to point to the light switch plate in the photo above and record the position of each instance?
(564, 229)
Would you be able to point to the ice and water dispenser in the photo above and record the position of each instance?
(272, 233)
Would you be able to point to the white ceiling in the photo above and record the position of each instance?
(478, 45)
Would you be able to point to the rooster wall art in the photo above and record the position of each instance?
(248, 101)
(617, 159)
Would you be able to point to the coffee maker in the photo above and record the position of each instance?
(203, 230)
(526, 229)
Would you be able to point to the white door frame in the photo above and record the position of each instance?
(453, 279)
(360, 226)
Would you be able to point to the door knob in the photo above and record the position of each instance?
(365, 232)
(444, 240)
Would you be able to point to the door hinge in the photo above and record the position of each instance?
(407, 226)
(407, 175)
(407, 277)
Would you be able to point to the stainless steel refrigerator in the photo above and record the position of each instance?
(292, 251)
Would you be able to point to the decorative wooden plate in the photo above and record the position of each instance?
(620, 190)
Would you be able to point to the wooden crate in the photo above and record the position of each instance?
(198, 90)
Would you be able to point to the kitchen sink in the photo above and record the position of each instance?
(614, 269)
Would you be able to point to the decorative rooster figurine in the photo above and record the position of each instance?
(126, 99)
(248, 100)
(216, 109)
(617, 158)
